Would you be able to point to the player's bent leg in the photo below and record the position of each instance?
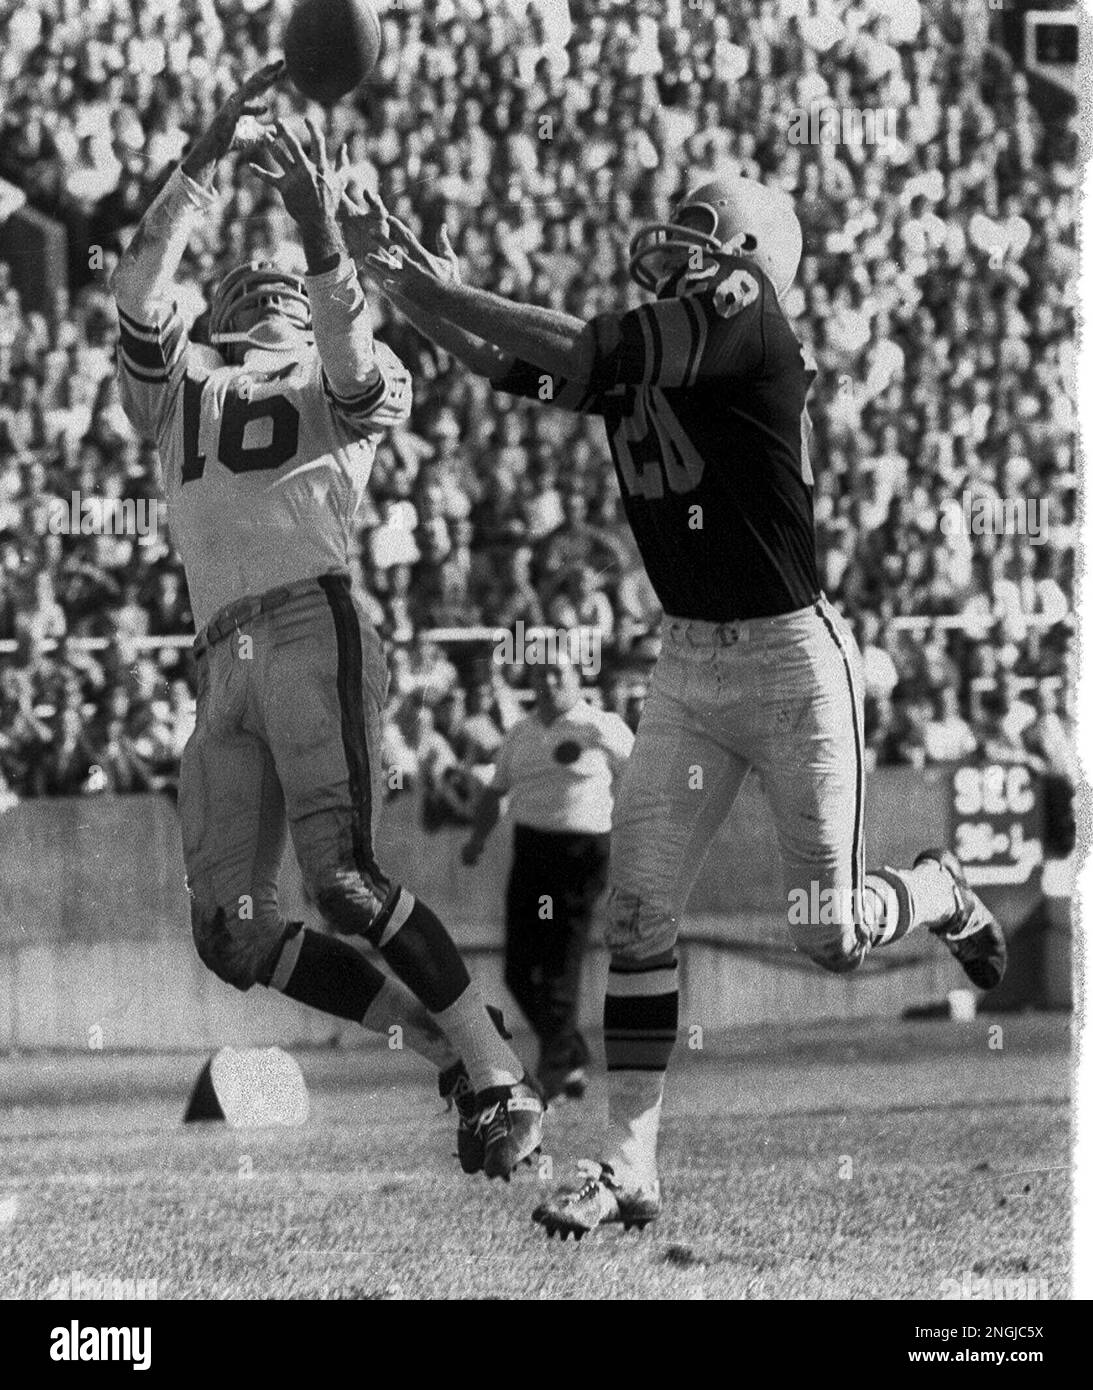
(358, 900)
(233, 835)
(233, 825)
(815, 781)
(316, 970)
(362, 902)
(809, 752)
(837, 926)
(326, 734)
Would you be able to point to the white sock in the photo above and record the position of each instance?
(488, 1058)
(933, 893)
(634, 1100)
(395, 1007)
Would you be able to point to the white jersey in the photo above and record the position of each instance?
(264, 464)
(562, 775)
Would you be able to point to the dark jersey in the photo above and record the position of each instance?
(704, 402)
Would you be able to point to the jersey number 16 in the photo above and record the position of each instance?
(237, 457)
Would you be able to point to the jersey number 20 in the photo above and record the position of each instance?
(652, 445)
(284, 433)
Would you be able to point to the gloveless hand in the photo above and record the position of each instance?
(220, 138)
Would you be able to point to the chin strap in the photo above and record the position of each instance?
(268, 336)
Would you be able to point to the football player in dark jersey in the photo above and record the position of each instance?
(703, 393)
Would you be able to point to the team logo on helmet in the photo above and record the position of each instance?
(260, 285)
(732, 215)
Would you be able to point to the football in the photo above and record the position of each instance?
(331, 46)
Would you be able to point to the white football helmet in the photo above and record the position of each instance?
(259, 285)
(734, 215)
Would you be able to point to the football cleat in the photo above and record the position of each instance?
(455, 1087)
(972, 933)
(599, 1201)
(509, 1126)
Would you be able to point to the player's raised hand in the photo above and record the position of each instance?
(310, 188)
(235, 125)
(445, 253)
(384, 244)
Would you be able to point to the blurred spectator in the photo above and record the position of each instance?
(947, 736)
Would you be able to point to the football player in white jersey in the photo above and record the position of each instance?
(266, 440)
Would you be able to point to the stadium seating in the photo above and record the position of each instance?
(936, 294)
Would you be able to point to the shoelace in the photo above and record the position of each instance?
(493, 1123)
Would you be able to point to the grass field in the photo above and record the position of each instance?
(867, 1161)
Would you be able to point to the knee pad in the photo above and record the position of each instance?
(242, 953)
(638, 928)
(356, 902)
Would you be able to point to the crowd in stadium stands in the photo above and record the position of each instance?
(936, 294)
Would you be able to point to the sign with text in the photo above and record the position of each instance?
(997, 822)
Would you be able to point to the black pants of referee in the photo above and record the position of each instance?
(543, 953)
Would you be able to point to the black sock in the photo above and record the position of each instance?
(332, 976)
(425, 958)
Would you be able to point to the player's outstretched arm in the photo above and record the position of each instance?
(311, 189)
(558, 343)
(368, 224)
(144, 279)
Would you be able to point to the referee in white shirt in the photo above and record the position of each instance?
(559, 769)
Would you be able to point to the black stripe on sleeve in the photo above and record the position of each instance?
(362, 404)
(134, 325)
(694, 319)
(658, 347)
(150, 378)
(143, 353)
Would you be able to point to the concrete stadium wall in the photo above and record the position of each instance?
(95, 946)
